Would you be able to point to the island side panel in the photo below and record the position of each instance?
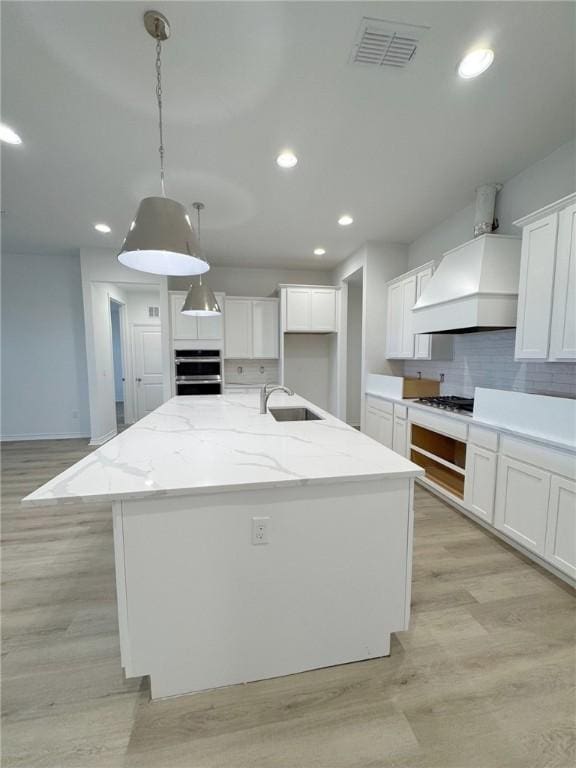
(207, 608)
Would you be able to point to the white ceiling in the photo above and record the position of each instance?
(399, 149)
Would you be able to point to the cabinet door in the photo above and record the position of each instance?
(265, 329)
(238, 342)
(560, 548)
(408, 301)
(211, 327)
(522, 493)
(379, 426)
(400, 437)
(563, 335)
(323, 309)
(480, 485)
(422, 341)
(395, 321)
(183, 326)
(298, 309)
(535, 289)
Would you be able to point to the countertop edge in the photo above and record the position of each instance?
(212, 490)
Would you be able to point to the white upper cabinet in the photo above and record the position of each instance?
(546, 326)
(422, 341)
(563, 335)
(187, 327)
(401, 342)
(238, 340)
(311, 309)
(323, 309)
(251, 328)
(265, 328)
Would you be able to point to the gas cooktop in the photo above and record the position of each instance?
(449, 403)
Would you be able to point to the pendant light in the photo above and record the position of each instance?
(200, 300)
(161, 239)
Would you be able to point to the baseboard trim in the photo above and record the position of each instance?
(104, 438)
(46, 436)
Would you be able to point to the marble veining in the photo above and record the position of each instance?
(209, 444)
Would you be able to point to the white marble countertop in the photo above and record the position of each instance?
(498, 426)
(222, 443)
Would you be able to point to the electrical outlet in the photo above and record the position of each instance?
(260, 530)
(75, 415)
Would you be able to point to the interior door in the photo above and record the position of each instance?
(147, 369)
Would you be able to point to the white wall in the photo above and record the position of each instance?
(254, 281)
(548, 180)
(354, 354)
(44, 376)
(380, 262)
(307, 366)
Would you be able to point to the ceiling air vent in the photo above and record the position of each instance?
(386, 43)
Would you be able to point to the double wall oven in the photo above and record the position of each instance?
(198, 371)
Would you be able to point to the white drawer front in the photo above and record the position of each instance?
(380, 405)
(485, 438)
(438, 423)
(540, 456)
(400, 411)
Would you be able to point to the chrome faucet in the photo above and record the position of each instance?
(265, 394)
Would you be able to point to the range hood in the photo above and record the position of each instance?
(474, 288)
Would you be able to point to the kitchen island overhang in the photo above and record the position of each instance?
(199, 605)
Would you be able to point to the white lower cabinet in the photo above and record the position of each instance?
(560, 548)
(400, 436)
(480, 484)
(379, 422)
(522, 494)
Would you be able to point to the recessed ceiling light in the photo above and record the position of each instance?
(345, 220)
(287, 159)
(8, 135)
(475, 62)
(319, 251)
(104, 228)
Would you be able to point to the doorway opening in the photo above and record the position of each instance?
(355, 284)
(117, 310)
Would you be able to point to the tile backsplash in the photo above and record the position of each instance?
(251, 371)
(487, 360)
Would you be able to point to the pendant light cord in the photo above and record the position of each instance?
(159, 100)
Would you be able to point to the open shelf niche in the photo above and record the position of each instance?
(443, 458)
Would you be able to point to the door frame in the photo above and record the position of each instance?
(133, 328)
(127, 352)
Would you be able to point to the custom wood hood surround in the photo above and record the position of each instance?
(474, 288)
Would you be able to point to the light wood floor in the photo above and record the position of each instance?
(483, 679)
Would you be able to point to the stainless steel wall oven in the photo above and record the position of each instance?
(198, 371)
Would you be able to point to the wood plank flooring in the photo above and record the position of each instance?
(485, 678)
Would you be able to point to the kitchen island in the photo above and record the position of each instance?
(246, 547)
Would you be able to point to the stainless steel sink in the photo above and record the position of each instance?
(294, 414)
